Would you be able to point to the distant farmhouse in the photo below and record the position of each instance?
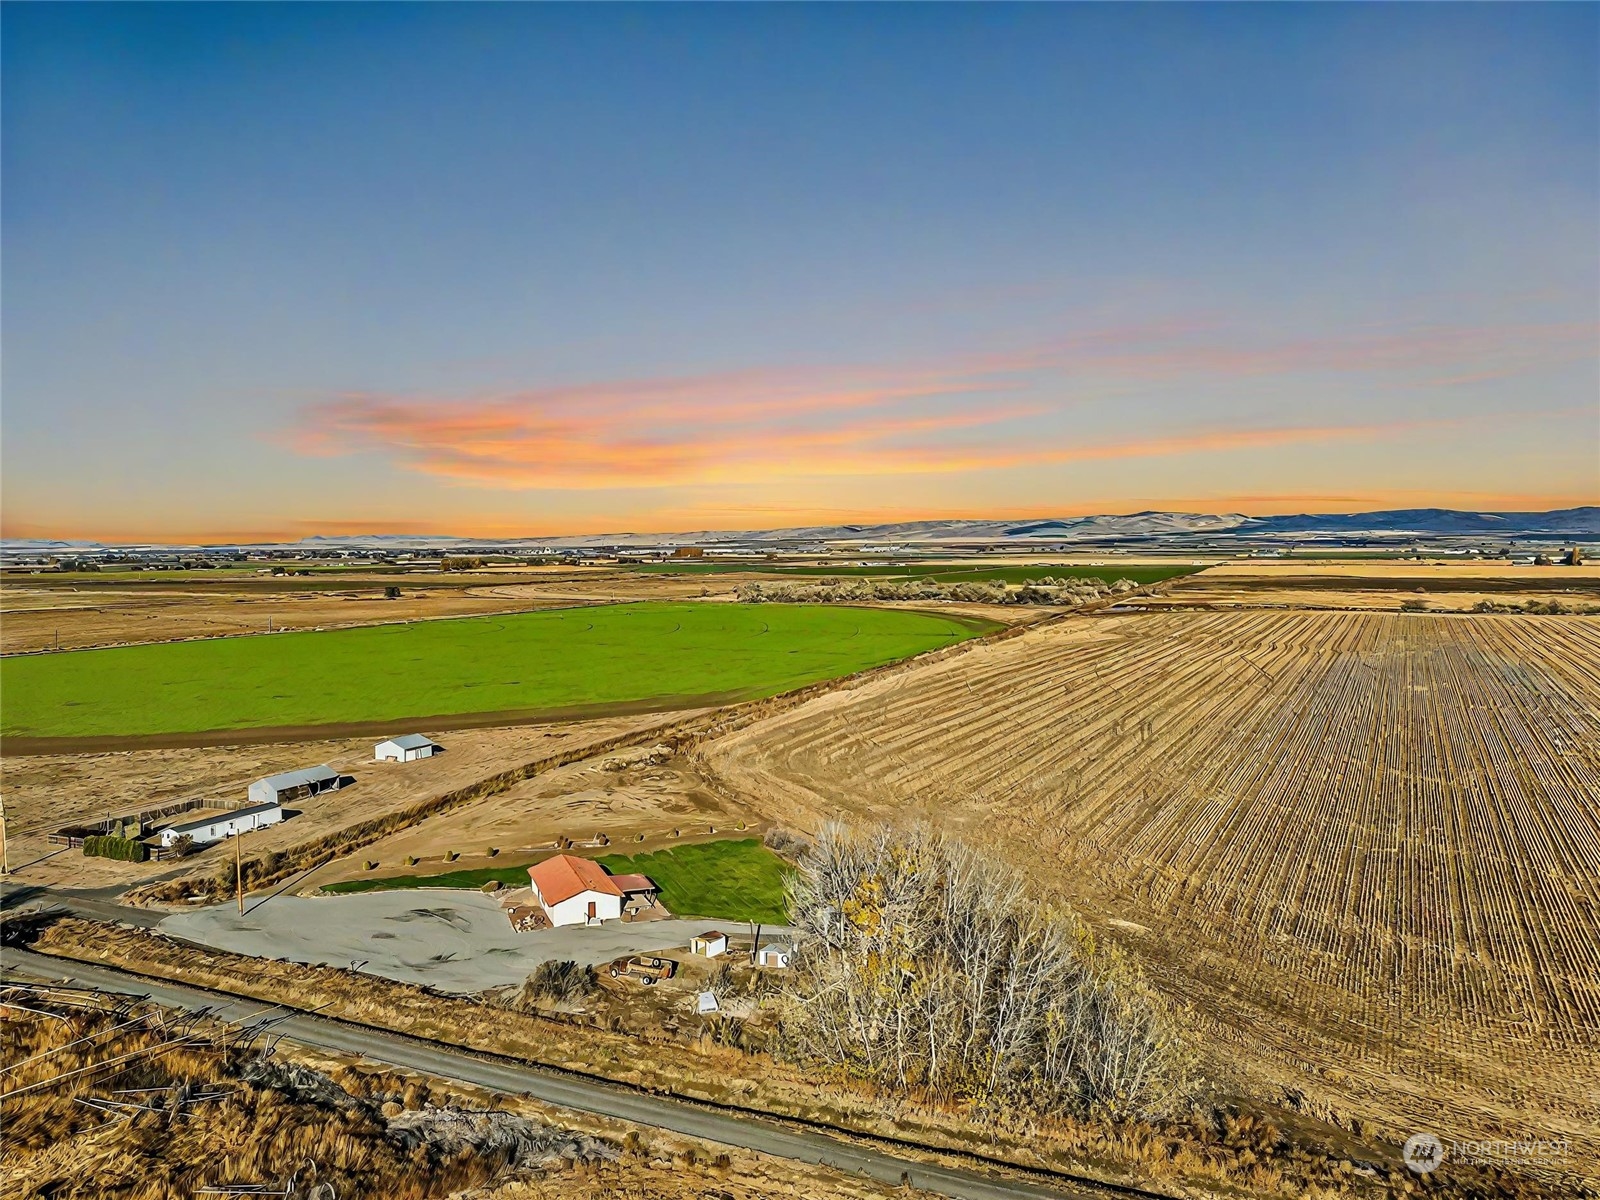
(578, 891)
(408, 747)
(295, 785)
(213, 829)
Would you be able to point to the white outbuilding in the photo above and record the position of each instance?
(408, 747)
(774, 956)
(710, 944)
(223, 825)
(295, 785)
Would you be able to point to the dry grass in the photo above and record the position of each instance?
(44, 792)
(58, 1146)
(1366, 847)
(1214, 1151)
(622, 795)
(207, 1114)
(1383, 585)
(77, 612)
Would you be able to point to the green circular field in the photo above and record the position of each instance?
(573, 659)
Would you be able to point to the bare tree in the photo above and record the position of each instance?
(930, 967)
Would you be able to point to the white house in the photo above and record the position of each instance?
(213, 829)
(575, 891)
(710, 943)
(408, 747)
(295, 785)
(774, 956)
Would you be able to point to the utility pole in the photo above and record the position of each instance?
(238, 869)
(5, 861)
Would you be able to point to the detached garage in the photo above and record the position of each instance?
(408, 747)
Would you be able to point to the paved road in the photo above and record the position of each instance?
(98, 904)
(565, 1091)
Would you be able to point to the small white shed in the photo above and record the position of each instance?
(776, 957)
(710, 944)
(408, 747)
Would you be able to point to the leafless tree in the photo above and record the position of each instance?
(930, 967)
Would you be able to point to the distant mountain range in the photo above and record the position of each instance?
(1150, 528)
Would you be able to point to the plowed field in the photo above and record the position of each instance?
(1366, 846)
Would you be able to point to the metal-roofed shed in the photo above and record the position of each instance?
(295, 785)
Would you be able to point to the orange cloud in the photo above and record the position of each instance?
(755, 425)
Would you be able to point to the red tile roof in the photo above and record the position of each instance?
(565, 876)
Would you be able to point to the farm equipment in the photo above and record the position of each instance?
(645, 969)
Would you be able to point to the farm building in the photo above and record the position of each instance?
(224, 825)
(710, 944)
(408, 747)
(577, 891)
(774, 956)
(295, 785)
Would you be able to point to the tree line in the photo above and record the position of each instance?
(1046, 591)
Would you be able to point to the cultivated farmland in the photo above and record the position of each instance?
(581, 661)
(1366, 846)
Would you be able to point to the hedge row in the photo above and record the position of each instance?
(126, 849)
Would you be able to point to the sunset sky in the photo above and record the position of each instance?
(506, 270)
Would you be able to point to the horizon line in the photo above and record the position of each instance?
(352, 531)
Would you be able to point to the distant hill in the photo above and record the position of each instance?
(1153, 528)
(1578, 522)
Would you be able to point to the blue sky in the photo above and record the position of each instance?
(291, 269)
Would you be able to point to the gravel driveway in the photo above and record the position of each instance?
(456, 941)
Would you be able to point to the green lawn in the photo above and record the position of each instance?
(525, 662)
(729, 880)
(475, 878)
(732, 880)
(942, 572)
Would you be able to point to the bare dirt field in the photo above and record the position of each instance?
(621, 795)
(44, 792)
(75, 613)
(1366, 847)
(1383, 584)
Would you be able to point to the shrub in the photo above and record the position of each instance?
(562, 982)
(391, 592)
(493, 850)
(182, 846)
(451, 855)
(123, 849)
(786, 843)
(411, 860)
(369, 865)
